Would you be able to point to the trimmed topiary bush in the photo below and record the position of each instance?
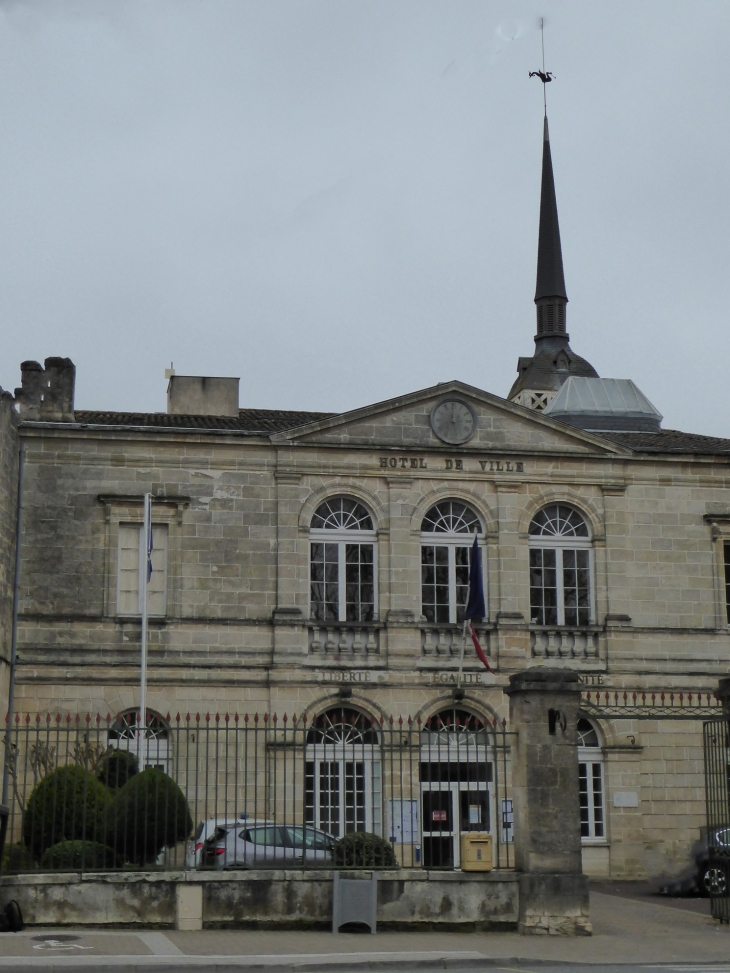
(117, 768)
(360, 849)
(17, 858)
(148, 814)
(80, 854)
(69, 804)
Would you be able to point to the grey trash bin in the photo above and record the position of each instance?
(354, 900)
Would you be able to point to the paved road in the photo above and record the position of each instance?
(641, 934)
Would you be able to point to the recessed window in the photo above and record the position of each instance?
(342, 564)
(727, 581)
(445, 557)
(590, 779)
(560, 567)
(133, 570)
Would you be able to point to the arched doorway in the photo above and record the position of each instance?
(343, 780)
(125, 733)
(457, 776)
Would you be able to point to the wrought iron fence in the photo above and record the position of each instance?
(716, 874)
(227, 791)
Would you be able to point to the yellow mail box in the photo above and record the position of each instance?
(476, 851)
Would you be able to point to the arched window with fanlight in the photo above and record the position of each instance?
(342, 563)
(590, 776)
(152, 743)
(343, 785)
(561, 572)
(447, 533)
(457, 775)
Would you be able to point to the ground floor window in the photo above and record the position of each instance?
(153, 744)
(590, 780)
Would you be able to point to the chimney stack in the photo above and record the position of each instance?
(47, 393)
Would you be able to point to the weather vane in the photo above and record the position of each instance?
(543, 75)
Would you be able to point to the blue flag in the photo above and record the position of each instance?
(475, 608)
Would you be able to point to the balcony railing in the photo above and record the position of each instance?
(347, 639)
(551, 642)
(445, 641)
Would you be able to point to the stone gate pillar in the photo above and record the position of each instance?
(544, 715)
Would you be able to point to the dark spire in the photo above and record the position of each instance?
(550, 296)
(550, 280)
(554, 360)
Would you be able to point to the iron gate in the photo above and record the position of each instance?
(716, 735)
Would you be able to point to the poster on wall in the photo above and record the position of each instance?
(403, 822)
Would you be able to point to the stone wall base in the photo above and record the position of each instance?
(554, 904)
(265, 899)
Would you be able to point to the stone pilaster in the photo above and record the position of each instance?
(9, 446)
(544, 715)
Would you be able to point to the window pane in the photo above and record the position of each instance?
(324, 600)
(329, 796)
(585, 821)
(359, 583)
(576, 587)
(543, 588)
(461, 556)
(435, 583)
(128, 599)
(597, 800)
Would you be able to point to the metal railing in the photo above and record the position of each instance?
(715, 872)
(223, 790)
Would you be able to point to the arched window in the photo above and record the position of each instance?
(125, 734)
(590, 775)
(560, 567)
(342, 781)
(342, 563)
(445, 554)
(457, 775)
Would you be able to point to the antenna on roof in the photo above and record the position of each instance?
(543, 75)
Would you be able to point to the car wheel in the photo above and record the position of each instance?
(714, 881)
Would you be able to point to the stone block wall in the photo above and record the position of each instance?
(8, 513)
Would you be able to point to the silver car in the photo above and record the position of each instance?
(266, 845)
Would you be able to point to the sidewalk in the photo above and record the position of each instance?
(626, 930)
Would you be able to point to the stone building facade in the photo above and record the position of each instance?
(303, 558)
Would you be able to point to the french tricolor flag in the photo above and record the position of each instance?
(475, 608)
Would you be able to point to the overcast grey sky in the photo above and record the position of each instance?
(337, 200)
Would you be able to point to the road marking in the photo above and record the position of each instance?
(57, 944)
(159, 944)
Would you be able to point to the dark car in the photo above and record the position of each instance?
(712, 858)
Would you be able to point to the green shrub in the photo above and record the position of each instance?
(117, 768)
(17, 858)
(360, 849)
(148, 814)
(69, 804)
(80, 854)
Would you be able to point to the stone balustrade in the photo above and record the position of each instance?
(344, 639)
(445, 641)
(551, 642)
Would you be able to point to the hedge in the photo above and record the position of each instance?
(148, 814)
(80, 854)
(68, 804)
(117, 768)
(360, 849)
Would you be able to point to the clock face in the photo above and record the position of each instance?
(453, 421)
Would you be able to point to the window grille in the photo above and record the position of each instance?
(445, 560)
(560, 568)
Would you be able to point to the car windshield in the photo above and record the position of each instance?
(308, 838)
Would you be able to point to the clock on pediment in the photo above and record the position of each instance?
(453, 421)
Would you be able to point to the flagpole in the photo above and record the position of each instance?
(144, 562)
(461, 659)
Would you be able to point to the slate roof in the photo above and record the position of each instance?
(264, 421)
(668, 441)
